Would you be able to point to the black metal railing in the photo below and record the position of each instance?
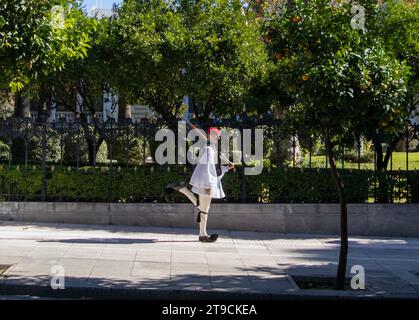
(58, 161)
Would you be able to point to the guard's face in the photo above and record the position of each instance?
(214, 137)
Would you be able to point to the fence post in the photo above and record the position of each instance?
(78, 145)
(9, 167)
(294, 145)
(342, 150)
(310, 151)
(358, 147)
(43, 159)
(9, 160)
(242, 175)
(26, 142)
(94, 140)
(407, 149)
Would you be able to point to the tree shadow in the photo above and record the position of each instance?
(254, 280)
(101, 241)
(332, 239)
(267, 284)
(125, 229)
(378, 242)
(184, 286)
(111, 241)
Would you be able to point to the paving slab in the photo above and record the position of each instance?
(133, 261)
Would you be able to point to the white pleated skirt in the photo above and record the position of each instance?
(217, 193)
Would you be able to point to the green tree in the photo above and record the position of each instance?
(151, 41)
(85, 77)
(225, 55)
(209, 49)
(343, 79)
(396, 23)
(37, 38)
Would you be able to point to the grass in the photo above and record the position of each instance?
(399, 162)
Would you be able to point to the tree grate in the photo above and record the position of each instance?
(318, 282)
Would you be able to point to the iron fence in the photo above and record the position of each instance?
(35, 154)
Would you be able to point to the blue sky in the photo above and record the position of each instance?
(101, 3)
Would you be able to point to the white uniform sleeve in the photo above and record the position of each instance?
(224, 169)
(205, 174)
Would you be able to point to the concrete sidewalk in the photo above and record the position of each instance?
(139, 262)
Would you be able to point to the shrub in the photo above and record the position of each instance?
(352, 156)
(147, 184)
(20, 184)
(4, 152)
(128, 150)
(74, 148)
(34, 149)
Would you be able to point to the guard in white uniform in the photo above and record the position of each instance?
(206, 183)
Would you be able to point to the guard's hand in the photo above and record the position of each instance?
(230, 166)
(208, 191)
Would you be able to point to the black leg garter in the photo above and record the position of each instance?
(198, 218)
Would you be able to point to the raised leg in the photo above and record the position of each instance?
(191, 196)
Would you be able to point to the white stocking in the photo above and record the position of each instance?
(190, 195)
(204, 204)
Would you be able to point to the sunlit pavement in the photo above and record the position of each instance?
(138, 262)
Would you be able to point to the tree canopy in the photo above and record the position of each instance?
(226, 54)
(209, 49)
(343, 78)
(39, 37)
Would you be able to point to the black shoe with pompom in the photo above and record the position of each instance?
(211, 238)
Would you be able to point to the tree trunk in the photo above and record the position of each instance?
(378, 154)
(22, 106)
(389, 151)
(383, 191)
(92, 150)
(383, 160)
(124, 110)
(341, 272)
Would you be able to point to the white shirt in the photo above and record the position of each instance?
(205, 175)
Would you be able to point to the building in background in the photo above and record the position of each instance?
(109, 107)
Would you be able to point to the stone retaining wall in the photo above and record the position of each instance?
(364, 219)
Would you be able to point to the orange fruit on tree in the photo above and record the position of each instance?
(296, 19)
(278, 55)
(305, 77)
(267, 39)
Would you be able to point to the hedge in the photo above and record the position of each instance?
(147, 184)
